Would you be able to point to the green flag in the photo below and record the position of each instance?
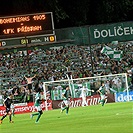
(116, 55)
(105, 49)
(112, 54)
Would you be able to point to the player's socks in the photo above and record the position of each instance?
(10, 117)
(13, 113)
(3, 117)
(106, 100)
(64, 108)
(35, 114)
(100, 101)
(103, 102)
(67, 109)
(39, 115)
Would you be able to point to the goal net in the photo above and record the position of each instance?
(114, 83)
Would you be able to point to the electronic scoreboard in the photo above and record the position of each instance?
(38, 26)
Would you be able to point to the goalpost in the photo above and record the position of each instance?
(114, 83)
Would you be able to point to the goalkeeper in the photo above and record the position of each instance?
(66, 97)
(37, 105)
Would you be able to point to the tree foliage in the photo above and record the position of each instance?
(69, 13)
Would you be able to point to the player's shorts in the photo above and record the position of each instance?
(38, 108)
(66, 102)
(8, 110)
(103, 96)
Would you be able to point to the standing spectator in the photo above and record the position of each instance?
(29, 81)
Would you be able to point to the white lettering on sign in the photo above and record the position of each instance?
(115, 31)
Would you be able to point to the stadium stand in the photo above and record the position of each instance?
(55, 63)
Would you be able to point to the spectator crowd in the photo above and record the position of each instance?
(57, 63)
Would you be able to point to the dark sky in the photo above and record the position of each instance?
(13, 7)
(76, 12)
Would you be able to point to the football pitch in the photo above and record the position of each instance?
(112, 118)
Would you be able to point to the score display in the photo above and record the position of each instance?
(29, 24)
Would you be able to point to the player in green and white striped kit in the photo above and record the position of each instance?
(102, 91)
(37, 105)
(66, 97)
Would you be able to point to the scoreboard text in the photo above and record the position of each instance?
(27, 24)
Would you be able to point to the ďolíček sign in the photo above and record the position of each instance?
(111, 32)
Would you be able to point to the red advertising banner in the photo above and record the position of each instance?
(27, 107)
(76, 102)
(55, 104)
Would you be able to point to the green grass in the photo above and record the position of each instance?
(112, 118)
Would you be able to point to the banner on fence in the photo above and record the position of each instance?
(27, 107)
(76, 102)
(123, 96)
